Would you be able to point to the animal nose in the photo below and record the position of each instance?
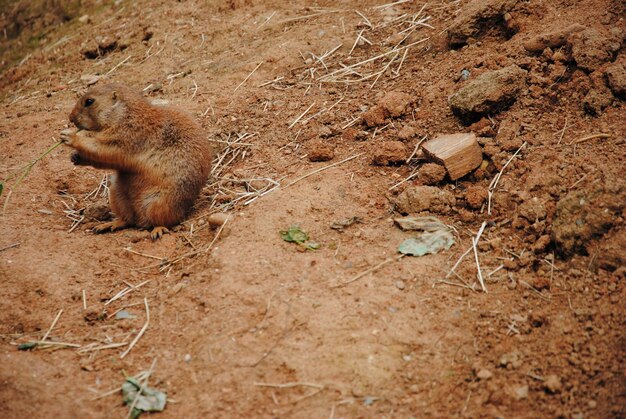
(73, 116)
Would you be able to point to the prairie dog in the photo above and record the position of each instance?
(160, 155)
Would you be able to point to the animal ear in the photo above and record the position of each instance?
(114, 95)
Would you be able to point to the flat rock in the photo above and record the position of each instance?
(490, 93)
(417, 199)
(473, 19)
(553, 39)
(591, 48)
(390, 153)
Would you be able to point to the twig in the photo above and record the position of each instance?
(411, 176)
(459, 261)
(141, 332)
(535, 290)
(126, 291)
(417, 146)
(119, 64)
(102, 347)
(267, 20)
(24, 172)
(384, 6)
(10, 246)
(144, 384)
(322, 169)
(128, 249)
(562, 131)
(289, 385)
(56, 319)
(84, 300)
(249, 75)
(370, 270)
(295, 121)
(474, 243)
(589, 137)
(494, 183)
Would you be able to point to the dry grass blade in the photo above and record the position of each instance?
(144, 384)
(248, 76)
(141, 332)
(494, 183)
(474, 246)
(322, 169)
(369, 271)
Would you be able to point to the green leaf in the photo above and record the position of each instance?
(27, 346)
(294, 235)
(1, 188)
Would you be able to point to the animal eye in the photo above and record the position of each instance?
(89, 101)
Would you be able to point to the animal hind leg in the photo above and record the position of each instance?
(120, 205)
(160, 212)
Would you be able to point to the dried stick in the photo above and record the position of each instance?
(322, 169)
(370, 270)
(141, 332)
(56, 319)
(249, 75)
(474, 243)
(589, 137)
(494, 183)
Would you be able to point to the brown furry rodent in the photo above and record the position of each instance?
(161, 156)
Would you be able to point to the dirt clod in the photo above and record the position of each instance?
(475, 196)
(431, 174)
(390, 153)
(479, 15)
(616, 77)
(553, 39)
(552, 384)
(320, 150)
(578, 218)
(98, 212)
(591, 48)
(490, 93)
(417, 199)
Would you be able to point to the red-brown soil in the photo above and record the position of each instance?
(547, 339)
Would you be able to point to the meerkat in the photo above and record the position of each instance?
(160, 155)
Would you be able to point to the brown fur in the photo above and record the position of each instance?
(161, 156)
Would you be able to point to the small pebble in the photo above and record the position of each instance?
(218, 219)
(187, 358)
(552, 383)
(484, 374)
(400, 285)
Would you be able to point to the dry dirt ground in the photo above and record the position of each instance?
(248, 325)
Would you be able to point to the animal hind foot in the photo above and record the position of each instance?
(158, 232)
(110, 226)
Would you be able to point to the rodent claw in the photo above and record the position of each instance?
(158, 232)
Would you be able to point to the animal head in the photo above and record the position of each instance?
(99, 108)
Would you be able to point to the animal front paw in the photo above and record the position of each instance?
(67, 135)
(77, 159)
